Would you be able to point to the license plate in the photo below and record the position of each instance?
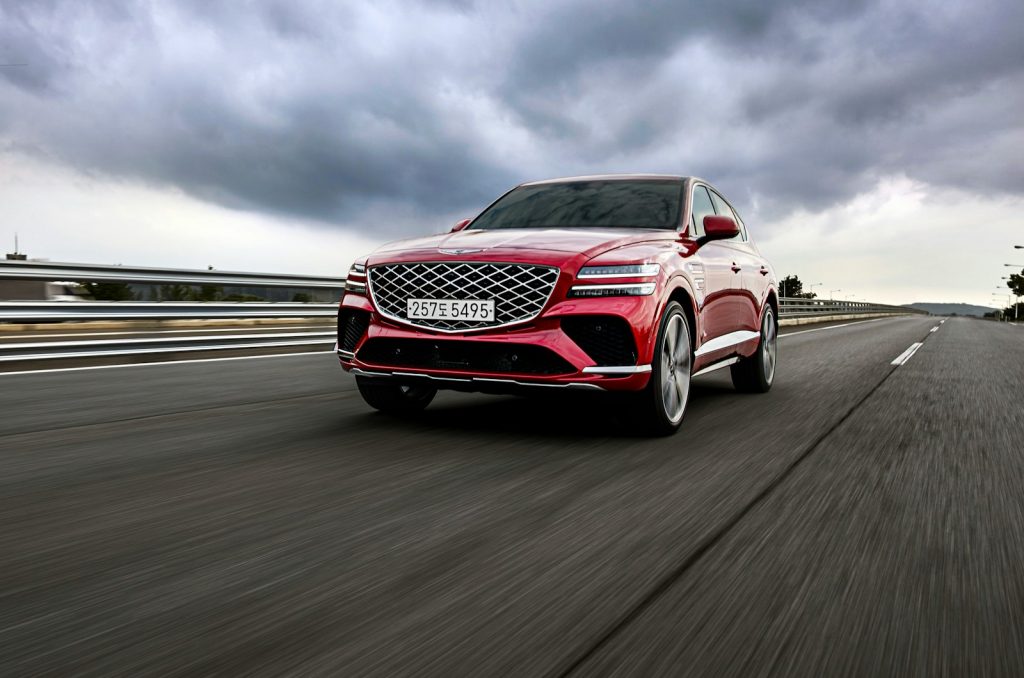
(450, 309)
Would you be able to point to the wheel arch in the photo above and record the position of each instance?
(773, 301)
(681, 294)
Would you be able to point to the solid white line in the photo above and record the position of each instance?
(835, 327)
(18, 335)
(166, 362)
(906, 355)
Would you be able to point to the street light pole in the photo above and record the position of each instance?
(832, 293)
(1002, 313)
(1008, 297)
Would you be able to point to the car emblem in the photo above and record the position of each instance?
(444, 251)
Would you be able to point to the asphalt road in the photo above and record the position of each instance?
(253, 517)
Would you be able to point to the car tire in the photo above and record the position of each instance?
(757, 373)
(394, 397)
(660, 407)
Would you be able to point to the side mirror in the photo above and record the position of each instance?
(717, 227)
(459, 225)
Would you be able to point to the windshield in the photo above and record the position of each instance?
(582, 204)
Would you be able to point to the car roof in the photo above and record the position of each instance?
(607, 177)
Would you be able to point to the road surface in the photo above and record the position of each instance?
(252, 516)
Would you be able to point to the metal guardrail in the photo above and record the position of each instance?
(14, 352)
(791, 307)
(50, 271)
(45, 311)
(53, 311)
(168, 343)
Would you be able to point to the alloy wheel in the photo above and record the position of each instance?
(769, 346)
(675, 364)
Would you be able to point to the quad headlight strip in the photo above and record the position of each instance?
(623, 271)
(626, 290)
(635, 289)
(356, 281)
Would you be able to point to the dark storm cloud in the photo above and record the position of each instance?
(432, 108)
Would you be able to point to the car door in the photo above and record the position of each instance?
(722, 283)
(751, 271)
(756, 275)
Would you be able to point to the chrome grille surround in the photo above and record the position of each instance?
(520, 291)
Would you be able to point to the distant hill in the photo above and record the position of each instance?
(951, 309)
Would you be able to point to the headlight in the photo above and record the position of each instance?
(355, 282)
(623, 271)
(632, 290)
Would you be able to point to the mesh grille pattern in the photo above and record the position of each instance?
(606, 339)
(352, 326)
(519, 291)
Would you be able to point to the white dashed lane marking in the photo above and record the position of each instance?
(902, 358)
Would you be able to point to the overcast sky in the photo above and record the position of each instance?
(875, 147)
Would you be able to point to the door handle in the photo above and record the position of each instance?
(735, 268)
(764, 270)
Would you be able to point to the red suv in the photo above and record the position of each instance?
(621, 283)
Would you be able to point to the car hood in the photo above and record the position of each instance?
(586, 241)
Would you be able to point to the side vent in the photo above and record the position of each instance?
(608, 340)
(352, 324)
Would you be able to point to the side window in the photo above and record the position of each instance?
(722, 207)
(739, 222)
(702, 206)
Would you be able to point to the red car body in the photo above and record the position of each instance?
(724, 287)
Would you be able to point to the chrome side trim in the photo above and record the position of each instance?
(617, 369)
(429, 376)
(347, 355)
(726, 341)
(485, 380)
(364, 373)
(716, 366)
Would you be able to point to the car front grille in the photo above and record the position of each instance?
(519, 291)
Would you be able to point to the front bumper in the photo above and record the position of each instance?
(437, 358)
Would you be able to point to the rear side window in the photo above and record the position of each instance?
(702, 207)
(723, 208)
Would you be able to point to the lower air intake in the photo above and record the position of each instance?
(608, 340)
(464, 356)
(352, 324)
